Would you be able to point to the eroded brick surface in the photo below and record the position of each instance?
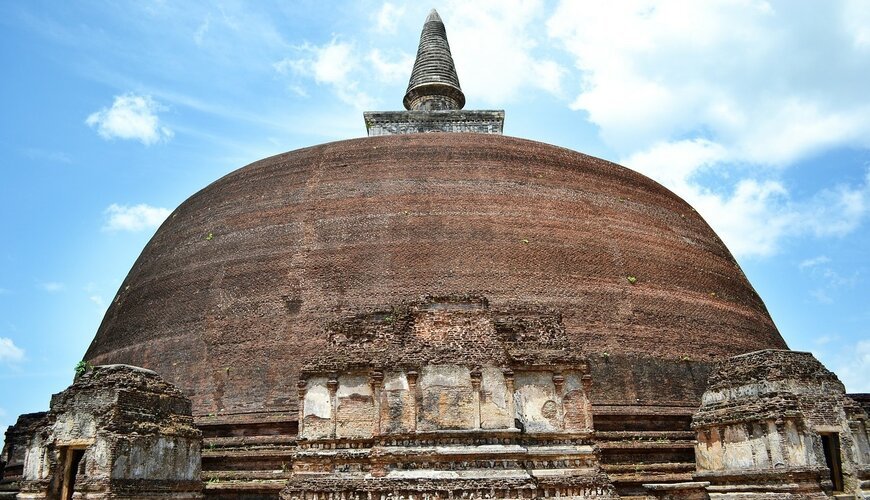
(305, 237)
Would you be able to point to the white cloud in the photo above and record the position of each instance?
(813, 262)
(331, 64)
(852, 366)
(494, 44)
(133, 217)
(856, 18)
(131, 117)
(397, 70)
(202, 30)
(743, 218)
(679, 87)
(756, 215)
(657, 70)
(821, 295)
(52, 286)
(9, 352)
(98, 300)
(387, 18)
(826, 339)
(829, 282)
(43, 155)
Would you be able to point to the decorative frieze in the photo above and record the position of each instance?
(418, 412)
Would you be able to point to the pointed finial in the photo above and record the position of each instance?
(434, 84)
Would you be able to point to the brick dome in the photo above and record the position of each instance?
(235, 290)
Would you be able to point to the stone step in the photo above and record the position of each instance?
(621, 481)
(257, 489)
(243, 441)
(645, 436)
(646, 445)
(277, 452)
(675, 467)
(245, 475)
(266, 423)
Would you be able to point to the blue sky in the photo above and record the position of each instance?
(757, 113)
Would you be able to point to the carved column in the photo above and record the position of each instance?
(475, 386)
(509, 383)
(586, 380)
(376, 381)
(559, 384)
(332, 386)
(301, 388)
(412, 387)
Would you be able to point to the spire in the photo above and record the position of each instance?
(434, 84)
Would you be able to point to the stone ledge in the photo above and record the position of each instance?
(691, 485)
(411, 122)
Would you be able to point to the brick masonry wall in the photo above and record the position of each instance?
(304, 238)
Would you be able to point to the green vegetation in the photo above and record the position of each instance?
(83, 367)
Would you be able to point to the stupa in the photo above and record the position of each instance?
(441, 311)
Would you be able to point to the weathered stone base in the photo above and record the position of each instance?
(451, 465)
(435, 488)
(118, 489)
(693, 490)
(863, 473)
(150, 495)
(415, 122)
(770, 484)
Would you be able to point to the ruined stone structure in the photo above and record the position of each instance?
(460, 314)
(118, 432)
(778, 422)
(14, 447)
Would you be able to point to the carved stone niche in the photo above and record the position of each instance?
(777, 424)
(118, 432)
(445, 398)
(448, 430)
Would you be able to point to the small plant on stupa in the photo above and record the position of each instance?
(83, 367)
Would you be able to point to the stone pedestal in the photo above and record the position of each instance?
(416, 122)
